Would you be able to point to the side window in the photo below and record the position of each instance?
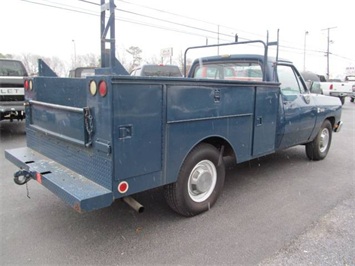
(290, 82)
(250, 71)
(229, 72)
(213, 73)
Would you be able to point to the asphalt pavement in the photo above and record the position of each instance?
(330, 241)
(281, 209)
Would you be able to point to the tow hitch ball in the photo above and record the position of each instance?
(21, 177)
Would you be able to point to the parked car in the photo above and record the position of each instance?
(351, 79)
(352, 97)
(82, 72)
(337, 88)
(12, 95)
(151, 70)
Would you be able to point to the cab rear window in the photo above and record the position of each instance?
(246, 71)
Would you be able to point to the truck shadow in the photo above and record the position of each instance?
(9, 129)
(238, 179)
(110, 227)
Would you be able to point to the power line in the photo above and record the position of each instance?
(163, 20)
(59, 7)
(131, 21)
(188, 26)
(198, 31)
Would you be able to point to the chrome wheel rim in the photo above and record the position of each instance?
(202, 181)
(324, 140)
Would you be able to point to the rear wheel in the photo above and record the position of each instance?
(319, 147)
(200, 182)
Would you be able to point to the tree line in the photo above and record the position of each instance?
(62, 68)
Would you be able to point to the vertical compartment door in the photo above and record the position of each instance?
(137, 129)
(266, 109)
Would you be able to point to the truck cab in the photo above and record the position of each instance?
(298, 111)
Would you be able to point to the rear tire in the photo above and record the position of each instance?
(200, 182)
(319, 147)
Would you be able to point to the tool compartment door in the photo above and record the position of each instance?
(266, 111)
(137, 128)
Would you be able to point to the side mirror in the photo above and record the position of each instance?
(307, 98)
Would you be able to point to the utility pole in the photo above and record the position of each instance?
(327, 54)
(304, 50)
(74, 53)
(218, 40)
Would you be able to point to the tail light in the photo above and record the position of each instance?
(102, 88)
(27, 84)
(93, 87)
(331, 86)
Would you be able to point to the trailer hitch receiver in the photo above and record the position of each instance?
(21, 177)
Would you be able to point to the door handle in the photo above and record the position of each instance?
(125, 131)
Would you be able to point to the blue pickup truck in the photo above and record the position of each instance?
(105, 137)
(109, 136)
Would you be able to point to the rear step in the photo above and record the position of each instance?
(74, 189)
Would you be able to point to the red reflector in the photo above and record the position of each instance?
(103, 88)
(123, 187)
(39, 178)
(26, 84)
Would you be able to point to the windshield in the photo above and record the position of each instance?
(12, 68)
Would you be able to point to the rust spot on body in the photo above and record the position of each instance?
(77, 207)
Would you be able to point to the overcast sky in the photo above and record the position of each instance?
(63, 27)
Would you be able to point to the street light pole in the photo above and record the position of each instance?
(304, 50)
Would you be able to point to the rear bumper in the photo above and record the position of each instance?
(76, 190)
(340, 94)
(11, 106)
